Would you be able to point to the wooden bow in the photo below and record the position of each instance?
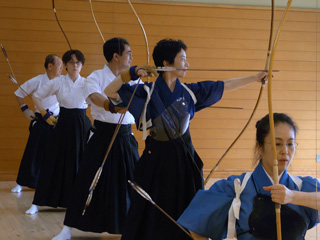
(271, 121)
(55, 14)
(143, 31)
(95, 21)
(258, 99)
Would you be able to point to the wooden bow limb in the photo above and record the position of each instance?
(146, 196)
(143, 31)
(55, 14)
(236, 139)
(95, 21)
(98, 173)
(271, 121)
(144, 34)
(258, 99)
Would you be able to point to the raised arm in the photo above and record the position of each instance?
(132, 73)
(112, 89)
(236, 83)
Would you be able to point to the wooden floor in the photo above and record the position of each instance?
(48, 222)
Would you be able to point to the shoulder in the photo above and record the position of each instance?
(100, 76)
(95, 73)
(227, 184)
(308, 184)
(36, 79)
(309, 179)
(56, 81)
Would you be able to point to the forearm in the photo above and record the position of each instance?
(112, 89)
(20, 100)
(37, 103)
(236, 83)
(97, 99)
(307, 199)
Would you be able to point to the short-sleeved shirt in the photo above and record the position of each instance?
(32, 86)
(96, 82)
(69, 94)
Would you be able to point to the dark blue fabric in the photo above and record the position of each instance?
(206, 92)
(207, 213)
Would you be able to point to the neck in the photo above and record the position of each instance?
(170, 80)
(73, 77)
(51, 75)
(114, 67)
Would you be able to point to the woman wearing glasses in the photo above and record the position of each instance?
(68, 137)
(241, 207)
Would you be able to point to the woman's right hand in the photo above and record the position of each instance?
(280, 193)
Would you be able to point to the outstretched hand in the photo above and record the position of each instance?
(280, 193)
(263, 77)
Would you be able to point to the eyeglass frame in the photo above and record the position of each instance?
(279, 146)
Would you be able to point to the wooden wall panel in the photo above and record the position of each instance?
(217, 37)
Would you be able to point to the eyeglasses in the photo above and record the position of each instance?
(127, 53)
(76, 63)
(289, 145)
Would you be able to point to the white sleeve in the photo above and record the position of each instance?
(29, 87)
(49, 89)
(92, 85)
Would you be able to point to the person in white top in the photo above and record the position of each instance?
(39, 130)
(111, 197)
(68, 137)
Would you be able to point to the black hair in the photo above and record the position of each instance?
(67, 56)
(50, 59)
(167, 50)
(263, 128)
(112, 46)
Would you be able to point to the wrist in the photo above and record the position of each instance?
(24, 107)
(108, 106)
(129, 74)
(45, 114)
(133, 74)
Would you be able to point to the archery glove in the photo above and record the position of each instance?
(28, 112)
(131, 73)
(47, 116)
(109, 106)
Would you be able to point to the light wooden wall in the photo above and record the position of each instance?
(217, 37)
